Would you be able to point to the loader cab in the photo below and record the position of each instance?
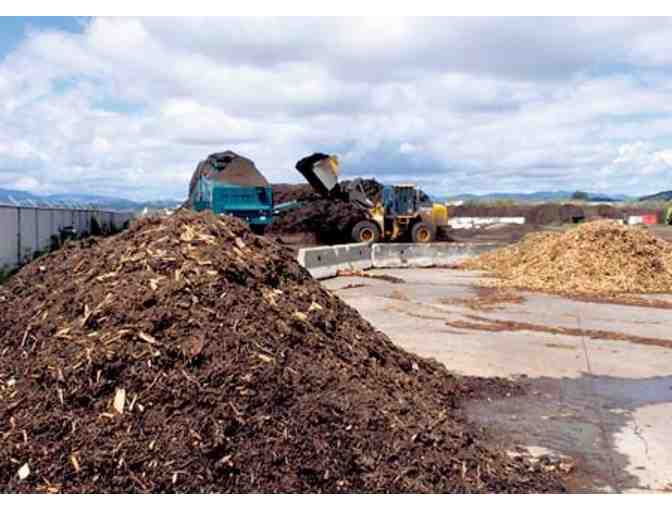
(400, 200)
(401, 217)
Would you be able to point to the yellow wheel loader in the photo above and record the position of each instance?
(401, 213)
(668, 215)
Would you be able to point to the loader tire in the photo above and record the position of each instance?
(258, 229)
(366, 232)
(422, 233)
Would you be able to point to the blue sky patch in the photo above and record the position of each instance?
(14, 29)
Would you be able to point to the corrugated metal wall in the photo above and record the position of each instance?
(26, 230)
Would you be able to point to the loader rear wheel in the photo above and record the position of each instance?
(422, 233)
(366, 232)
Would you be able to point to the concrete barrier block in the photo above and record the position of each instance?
(425, 255)
(326, 261)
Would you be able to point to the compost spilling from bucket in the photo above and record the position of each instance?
(599, 258)
(187, 354)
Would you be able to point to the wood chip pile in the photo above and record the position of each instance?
(189, 355)
(597, 258)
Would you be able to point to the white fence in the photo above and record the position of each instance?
(26, 230)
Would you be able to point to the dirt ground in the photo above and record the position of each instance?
(497, 233)
(552, 213)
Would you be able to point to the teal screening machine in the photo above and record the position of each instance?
(228, 183)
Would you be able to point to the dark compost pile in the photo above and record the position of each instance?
(187, 354)
(330, 221)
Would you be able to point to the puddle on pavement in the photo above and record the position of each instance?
(579, 418)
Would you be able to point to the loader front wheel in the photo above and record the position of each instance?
(258, 229)
(422, 233)
(366, 232)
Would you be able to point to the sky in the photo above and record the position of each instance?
(128, 106)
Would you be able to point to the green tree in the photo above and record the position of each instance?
(580, 195)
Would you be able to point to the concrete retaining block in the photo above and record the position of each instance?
(326, 261)
(425, 255)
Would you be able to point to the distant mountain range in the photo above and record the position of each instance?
(662, 196)
(537, 196)
(25, 198)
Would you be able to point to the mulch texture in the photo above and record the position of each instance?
(600, 258)
(188, 355)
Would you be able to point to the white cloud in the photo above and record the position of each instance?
(637, 163)
(664, 157)
(27, 184)
(129, 106)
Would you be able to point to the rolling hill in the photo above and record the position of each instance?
(81, 200)
(662, 196)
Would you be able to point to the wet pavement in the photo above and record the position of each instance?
(604, 402)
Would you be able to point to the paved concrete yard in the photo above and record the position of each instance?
(602, 398)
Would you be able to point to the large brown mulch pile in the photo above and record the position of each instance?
(187, 354)
(596, 258)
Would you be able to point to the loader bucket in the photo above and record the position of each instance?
(321, 172)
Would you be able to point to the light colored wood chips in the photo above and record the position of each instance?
(598, 258)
